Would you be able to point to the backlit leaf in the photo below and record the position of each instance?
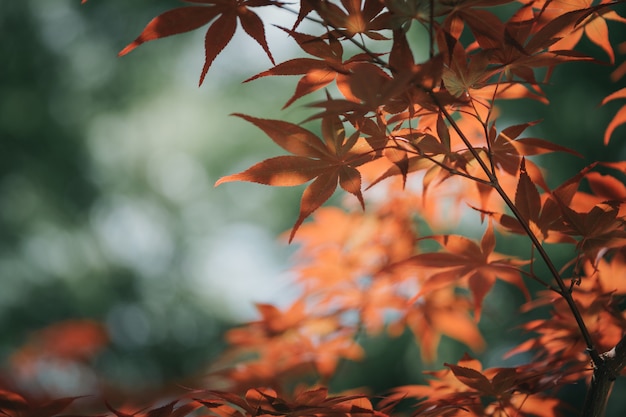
(290, 137)
(527, 198)
(173, 22)
(219, 33)
(328, 163)
(472, 378)
(606, 186)
(284, 171)
(216, 39)
(618, 120)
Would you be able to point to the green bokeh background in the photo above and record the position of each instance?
(107, 204)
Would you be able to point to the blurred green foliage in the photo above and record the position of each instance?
(102, 214)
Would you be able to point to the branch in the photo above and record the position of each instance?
(542, 252)
(604, 374)
(452, 171)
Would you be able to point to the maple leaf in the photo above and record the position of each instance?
(593, 25)
(461, 73)
(418, 149)
(601, 277)
(470, 76)
(287, 343)
(465, 389)
(305, 402)
(317, 72)
(620, 116)
(333, 268)
(514, 48)
(606, 186)
(432, 155)
(540, 212)
(504, 384)
(558, 340)
(369, 89)
(448, 161)
(472, 378)
(355, 20)
(440, 312)
(330, 161)
(465, 260)
(276, 322)
(487, 28)
(219, 33)
(508, 149)
(306, 7)
(600, 229)
(443, 156)
(522, 46)
(377, 93)
(272, 324)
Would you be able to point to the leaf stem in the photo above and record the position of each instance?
(531, 275)
(441, 165)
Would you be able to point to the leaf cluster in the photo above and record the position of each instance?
(422, 140)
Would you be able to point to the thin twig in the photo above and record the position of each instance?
(544, 255)
(443, 166)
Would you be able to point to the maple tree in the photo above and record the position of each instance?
(414, 140)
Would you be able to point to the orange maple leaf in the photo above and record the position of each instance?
(304, 402)
(330, 161)
(523, 45)
(218, 35)
(440, 312)
(540, 213)
(360, 17)
(465, 260)
(600, 229)
(592, 25)
(508, 148)
(557, 339)
(619, 118)
(465, 389)
(317, 72)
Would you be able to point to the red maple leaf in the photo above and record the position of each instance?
(592, 25)
(218, 35)
(357, 18)
(330, 161)
(541, 213)
(317, 72)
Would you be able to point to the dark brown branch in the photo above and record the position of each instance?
(604, 373)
